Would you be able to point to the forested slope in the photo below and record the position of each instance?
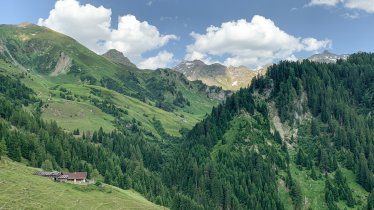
(319, 155)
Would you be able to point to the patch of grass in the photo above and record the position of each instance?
(359, 193)
(284, 195)
(72, 115)
(314, 190)
(19, 189)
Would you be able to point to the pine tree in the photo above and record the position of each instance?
(297, 195)
(277, 137)
(14, 150)
(3, 148)
(47, 165)
(370, 200)
(313, 174)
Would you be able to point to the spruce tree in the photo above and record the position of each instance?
(3, 148)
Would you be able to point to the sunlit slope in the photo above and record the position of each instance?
(67, 77)
(19, 189)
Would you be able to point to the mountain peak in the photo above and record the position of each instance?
(327, 57)
(25, 24)
(229, 78)
(191, 63)
(118, 57)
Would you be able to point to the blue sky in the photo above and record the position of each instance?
(307, 26)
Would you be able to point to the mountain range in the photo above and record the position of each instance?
(229, 78)
(297, 135)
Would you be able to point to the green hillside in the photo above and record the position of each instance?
(82, 90)
(300, 137)
(19, 189)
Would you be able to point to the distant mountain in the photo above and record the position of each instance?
(229, 78)
(118, 57)
(300, 137)
(327, 57)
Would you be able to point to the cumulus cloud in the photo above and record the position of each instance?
(312, 44)
(90, 25)
(365, 5)
(134, 37)
(86, 23)
(253, 43)
(162, 59)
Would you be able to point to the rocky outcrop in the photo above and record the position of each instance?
(117, 57)
(63, 65)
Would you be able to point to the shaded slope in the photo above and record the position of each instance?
(325, 164)
(327, 106)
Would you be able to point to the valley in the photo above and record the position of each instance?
(294, 135)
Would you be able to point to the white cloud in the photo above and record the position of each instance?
(252, 43)
(86, 23)
(162, 59)
(90, 25)
(354, 15)
(365, 5)
(134, 37)
(324, 2)
(312, 44)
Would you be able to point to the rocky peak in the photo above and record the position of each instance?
(118, 57)
(327, 57)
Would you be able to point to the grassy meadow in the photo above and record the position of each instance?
(19, 189)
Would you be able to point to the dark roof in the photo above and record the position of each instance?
(76, 175)
(47, 173)
(63, 177)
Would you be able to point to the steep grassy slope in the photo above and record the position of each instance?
(19, 189)
(83, 90)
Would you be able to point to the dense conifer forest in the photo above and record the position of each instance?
(235, 158)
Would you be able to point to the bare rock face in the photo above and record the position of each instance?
(63, 65)
(327, 57)
(118, 57)
(217, 93)
(229, 78)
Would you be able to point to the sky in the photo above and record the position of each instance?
(162, 33)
